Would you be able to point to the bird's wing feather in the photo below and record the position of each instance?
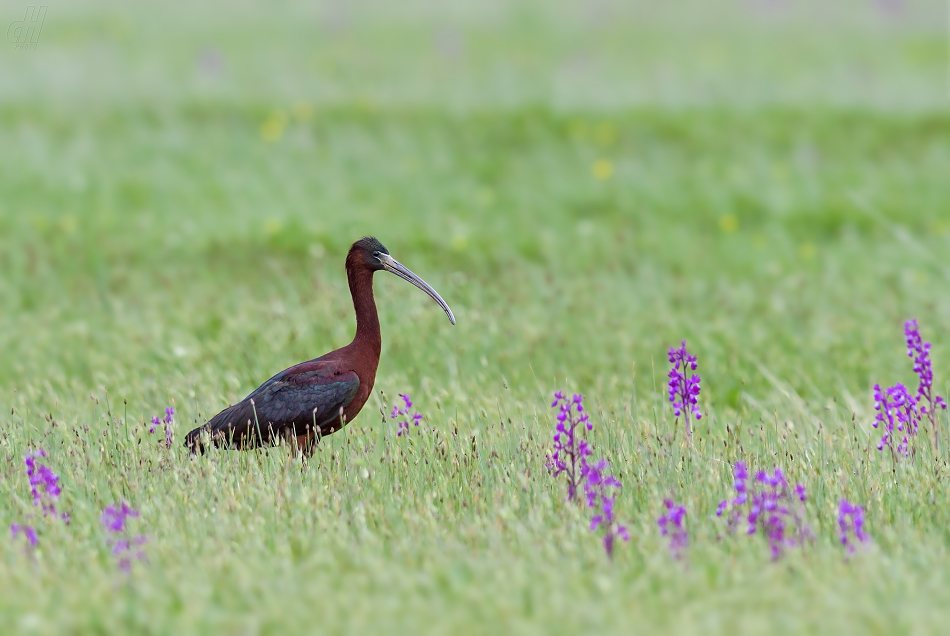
(293, 399)
(285, 402)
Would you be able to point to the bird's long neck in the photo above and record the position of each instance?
(367, 320)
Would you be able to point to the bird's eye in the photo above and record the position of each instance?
(376, 254)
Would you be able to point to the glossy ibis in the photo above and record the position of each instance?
(319, 397)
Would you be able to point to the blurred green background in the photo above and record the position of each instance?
(586, 184)
(587, 181)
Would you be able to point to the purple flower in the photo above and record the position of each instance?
(114, 517)
(45, 489)
(671, 525)
(740, 476)
(570, 450)
(851, 525)
(684, 393)
(44, 484)
(124, 546)
(29, 532)
(397, 412)
(166, 421)
(596, 488)
(920, 352)
(896, 411)
(768, 506)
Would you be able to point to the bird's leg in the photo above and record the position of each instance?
(289, 437)
(306, 444)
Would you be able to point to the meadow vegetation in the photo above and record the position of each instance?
(586, 186)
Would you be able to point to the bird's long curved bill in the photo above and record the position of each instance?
(390, 264)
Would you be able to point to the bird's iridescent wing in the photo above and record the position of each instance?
(303, 398)
(292, 402)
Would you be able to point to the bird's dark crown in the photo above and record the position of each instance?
(369, 244)
(364, 253)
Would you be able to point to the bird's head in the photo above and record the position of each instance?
(368, 252)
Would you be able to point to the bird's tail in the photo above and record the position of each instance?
(218, 432)
(193, 440)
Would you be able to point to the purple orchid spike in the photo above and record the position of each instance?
(405, 415)
(45, 489)
(927, 400)
(684, 392)
(672, 525)
(851, 526)
(767, 506)
(28, 532)
(44, 484)
(596, 488)
(125, 547)
(165, 422)
(570, 450)
(896, 411)
(114, 517)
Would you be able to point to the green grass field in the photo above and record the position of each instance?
(586, 186)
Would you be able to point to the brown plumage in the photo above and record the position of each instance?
(316, 398)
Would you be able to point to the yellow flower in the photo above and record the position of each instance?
(602, 169)
(273, 127)
(272, 226)
(728, 223)
(807, 251)
(271, 130)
